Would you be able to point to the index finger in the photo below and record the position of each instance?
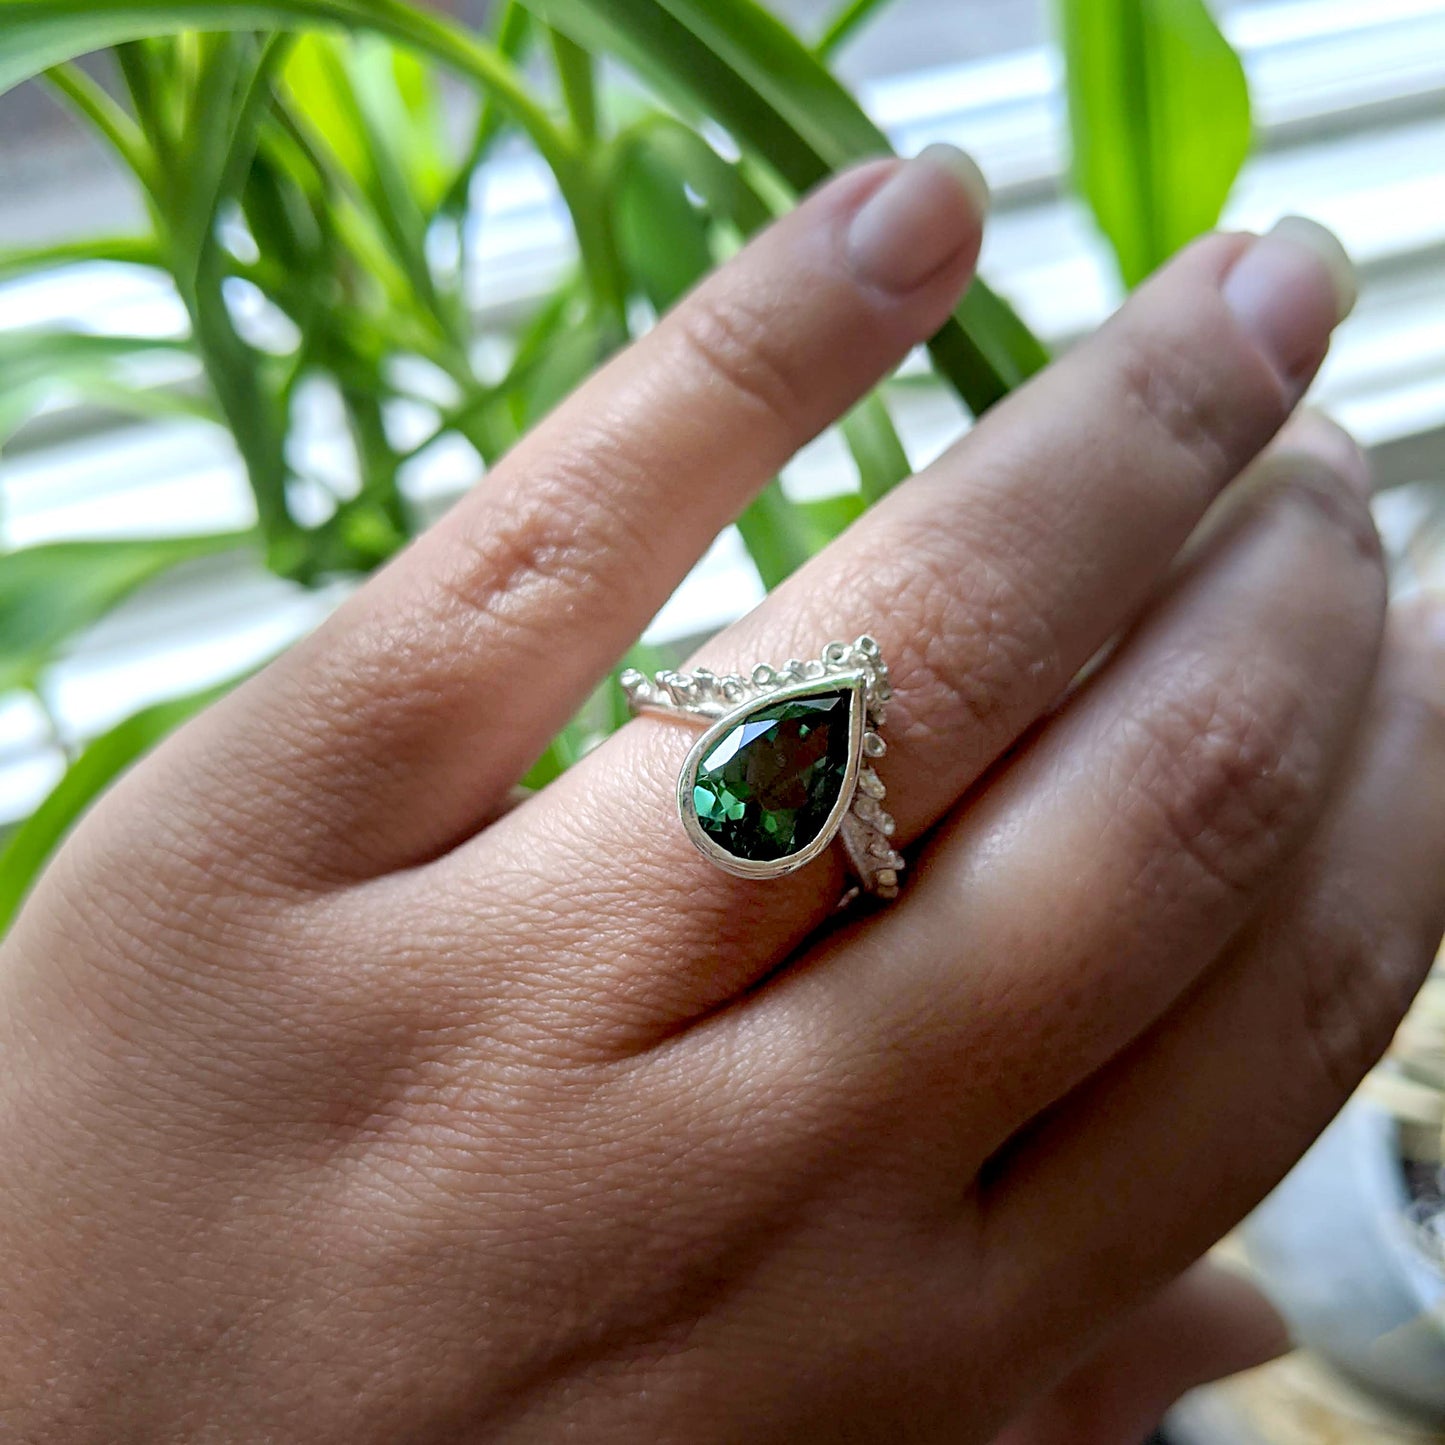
(398, 728)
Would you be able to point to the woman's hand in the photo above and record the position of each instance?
(342, 1104)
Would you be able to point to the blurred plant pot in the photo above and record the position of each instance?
(1349, 1248)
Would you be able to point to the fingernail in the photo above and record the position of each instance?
(1313, 433)
(1290, 290)
(923, 216)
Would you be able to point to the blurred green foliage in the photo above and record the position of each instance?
(303, 155)
(1160, 118)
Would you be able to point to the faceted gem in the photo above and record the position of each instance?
(765, 790)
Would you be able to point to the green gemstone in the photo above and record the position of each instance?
(765, 790)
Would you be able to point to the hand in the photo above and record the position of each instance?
(343, 1104)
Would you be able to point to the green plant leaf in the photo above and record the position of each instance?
(221, 144)
(829, 517)
(36, 363)
(409, 109)
(35, 34)
(325, 262)
(121, 250)
(49, 592)
(872, 438)
(851, 18)
(36, 354)
(512, 27)
(727, 191)
(38, 34)
(33, 843)
(106, 117)
(561, 343)
(661, 234)
(122, 397)
(558, 371)
(559, 755)
(781, 534)
(778, 535)
(370, 104)
(198, 99)
(732, 60)
(578, 82)
(602, 714)
(1160, 117)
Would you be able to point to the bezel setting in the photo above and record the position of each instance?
(725, 702)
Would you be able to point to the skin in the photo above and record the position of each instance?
(343, 1101)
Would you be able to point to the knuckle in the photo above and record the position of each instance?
(1311, 486)
(550, 538)
(1169, 391)
(1226, 773)
(498, 578)
(398, 666)
(976, 636)
(736, 344)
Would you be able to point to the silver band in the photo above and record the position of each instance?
(854, 672)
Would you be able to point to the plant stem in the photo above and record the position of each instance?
(113, 124)
(877, 450)
(579, 89)
(122, 250)
(775, 535)
(379, 463)
(586, 196)
(843, 25)
(234, 370)
(513, 32)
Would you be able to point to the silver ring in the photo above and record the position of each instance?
(786, 763)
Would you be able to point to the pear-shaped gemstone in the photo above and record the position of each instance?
(768, 786)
